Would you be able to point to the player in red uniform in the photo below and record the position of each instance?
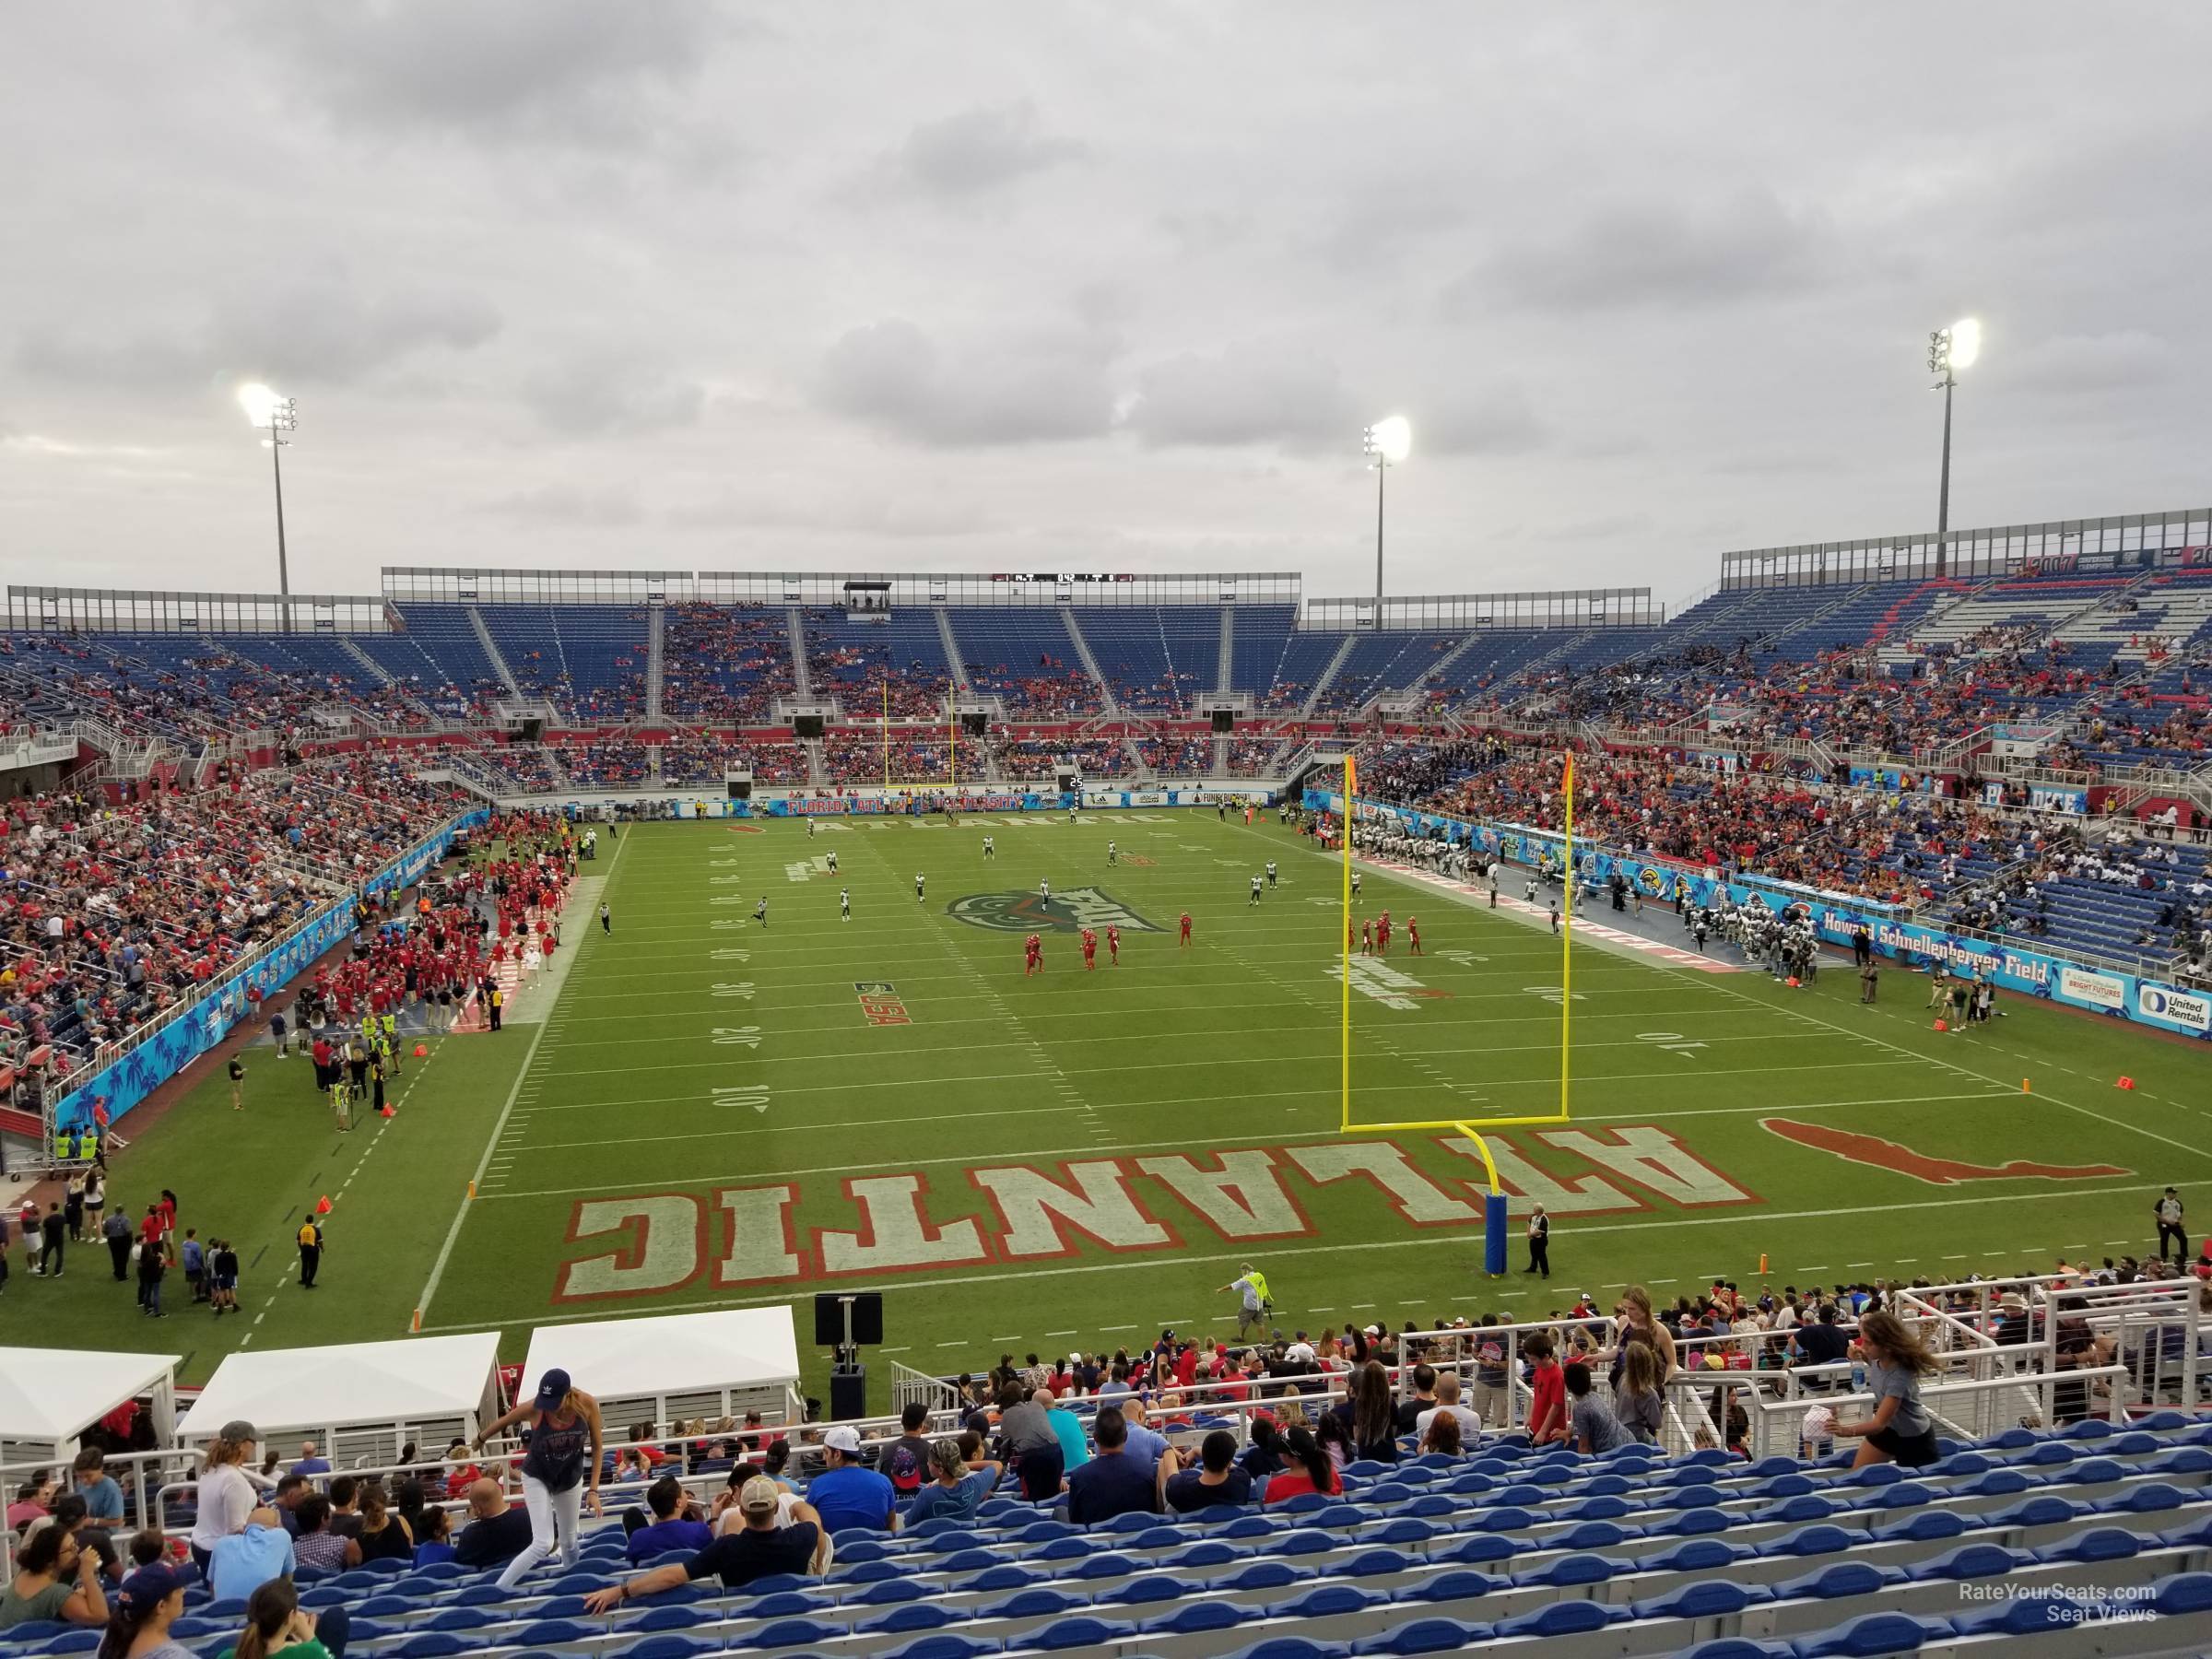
(1382, 934)
(1032, 956)
(1367, 937)
(1113, 946)
(1090, 951)
(1413, 935)
(1186, 939)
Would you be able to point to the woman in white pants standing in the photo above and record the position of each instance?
(564, 1432)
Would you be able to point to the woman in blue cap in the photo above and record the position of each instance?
(565, 1433)
(150, 1600)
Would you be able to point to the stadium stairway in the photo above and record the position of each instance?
(1090, 663)
(2011, 1540)
(491, 650)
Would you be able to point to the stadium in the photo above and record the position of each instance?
(555, 1109)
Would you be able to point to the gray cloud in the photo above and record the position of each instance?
(891, 376)
(609, 392)
(561, 71)
(1250, 392)
(861, 511)
(1464, 420)
(564, 506)
(2068, 363)
(312, 330)
(978, 152)
(1752, 245)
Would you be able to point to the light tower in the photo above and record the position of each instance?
(1950, 350)
(1389, 441)
(275, 416)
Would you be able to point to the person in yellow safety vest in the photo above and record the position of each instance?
(87, 1144)
(64, 1145)
(1254, 1301)
(389, 1042)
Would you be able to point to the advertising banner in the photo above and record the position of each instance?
(1836, 916)
(211, 1016)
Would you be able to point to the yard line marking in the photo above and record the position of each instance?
(1290, 1137)
(999, 1276)
(453, 1233)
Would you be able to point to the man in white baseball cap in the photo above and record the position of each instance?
(848, 1493)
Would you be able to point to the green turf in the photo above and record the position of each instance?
(1229, 1046)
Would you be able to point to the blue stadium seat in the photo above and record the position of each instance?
(1461, 1584)
(2026, 1615)
(2182, 1593)
(1572, 1570)
(1871, 1635)
(652, 1647)
(943, 1646)
(791, 1632)
(1560, 1618)
(1923, 1527)
(1194, 1619)
(1425, 1636)
(909, 1617)
(1291, 1647)
(1708, 1598)
(1970, 1561)
(1325, 1601)
(2097, 1544)
(436, 1644)
(1152, 1587)
(1821, 1539)
(1034, 1603)
(1079, 1631)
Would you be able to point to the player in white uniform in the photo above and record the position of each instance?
(989, 851)
(1044, 889)
(917, 887)
(1255, 891)
(844, 903)
(1112, 855)
(832, 860)
(1271, 872)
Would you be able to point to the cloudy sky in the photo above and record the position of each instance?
(1075, 285)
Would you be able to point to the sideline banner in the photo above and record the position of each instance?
(1837, 916)
(211, 1016)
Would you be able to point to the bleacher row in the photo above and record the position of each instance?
(2117, 647)
(2096, 1532)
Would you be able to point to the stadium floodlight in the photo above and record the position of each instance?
(1950, 350)
(1388, 442)
(274, 415)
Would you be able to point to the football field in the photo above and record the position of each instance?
(713, 1112)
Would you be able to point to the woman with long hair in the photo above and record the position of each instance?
(1307, 1469)
(54, 1580)
(561, 1470)
(1264, 1456)
(1371, 1414)
(1640, 1326)
(150, 1600)
(228, 1490)
(1443, 1437)
(276, 1623)
(1639, 1398)
(384, 1534)
(1902, 1429)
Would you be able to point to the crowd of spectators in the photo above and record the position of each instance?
(725, 663)
(110, 915)
(1029, 760)
(910, 759)
(1177, 756)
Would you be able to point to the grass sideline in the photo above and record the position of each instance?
(608, 1141)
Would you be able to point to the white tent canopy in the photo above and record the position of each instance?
(675, 1366)
(362, 1400)
(49, 1396)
